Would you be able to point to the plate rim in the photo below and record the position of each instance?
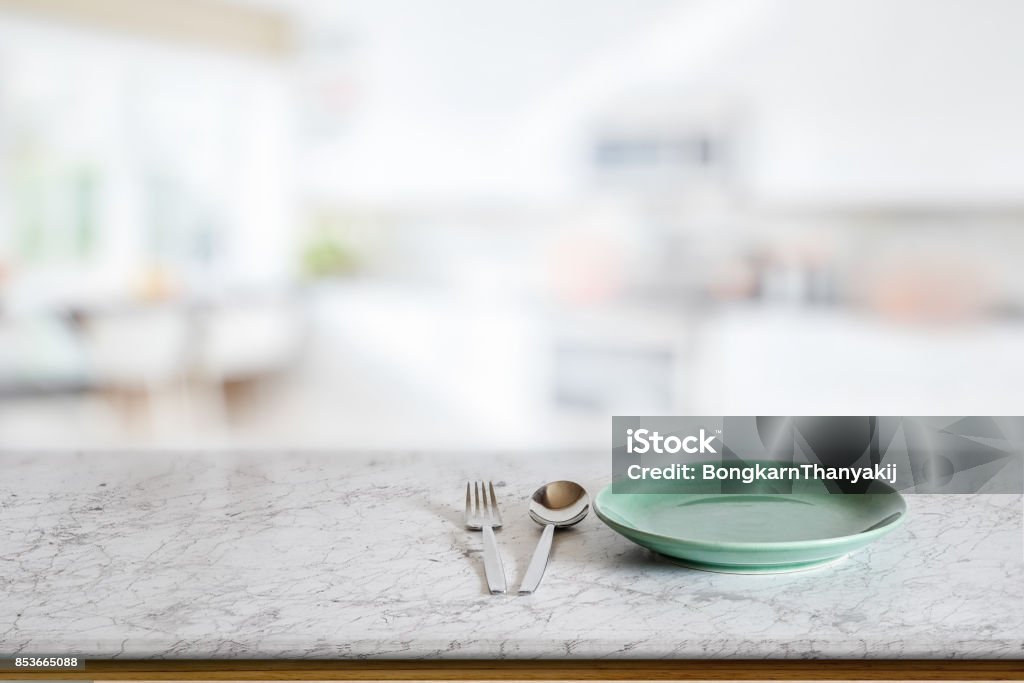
(753, 545)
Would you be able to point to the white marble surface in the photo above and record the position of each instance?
(298, 555)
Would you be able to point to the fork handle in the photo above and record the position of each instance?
(539, 563)
(492, 563)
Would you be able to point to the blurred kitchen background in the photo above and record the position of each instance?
(496, 223)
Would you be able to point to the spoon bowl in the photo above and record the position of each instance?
(561, 503)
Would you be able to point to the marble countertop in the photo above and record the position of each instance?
(334, 556)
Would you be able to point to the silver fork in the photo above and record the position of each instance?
(483, 514)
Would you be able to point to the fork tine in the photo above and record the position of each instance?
(485, 510)
(494, 502)
(476, 498)
(469, 509)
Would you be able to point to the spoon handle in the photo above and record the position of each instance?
(539, 563)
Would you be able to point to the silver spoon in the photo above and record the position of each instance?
(558, 504)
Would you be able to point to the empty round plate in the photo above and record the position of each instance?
(752, 532)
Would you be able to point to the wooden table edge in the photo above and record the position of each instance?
(533, 670)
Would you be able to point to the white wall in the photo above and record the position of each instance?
(439, 91)
(839, 101)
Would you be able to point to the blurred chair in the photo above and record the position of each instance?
(137, 357)
(239, 345)
(246, 341)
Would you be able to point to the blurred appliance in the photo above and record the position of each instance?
(615, 362)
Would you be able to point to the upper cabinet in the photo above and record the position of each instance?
(907, 103)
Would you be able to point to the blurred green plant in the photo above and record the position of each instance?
(327, 253)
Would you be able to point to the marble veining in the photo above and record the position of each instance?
(352, 555)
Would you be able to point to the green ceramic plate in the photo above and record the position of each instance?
(752, 533)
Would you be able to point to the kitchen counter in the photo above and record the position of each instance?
(212, 555)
